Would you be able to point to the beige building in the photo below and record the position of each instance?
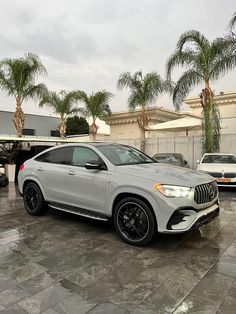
(123, 125)
(227, 107)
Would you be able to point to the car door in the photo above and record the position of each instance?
(51, 169)
(86, 188)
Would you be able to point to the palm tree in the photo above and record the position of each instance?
(143, 92)
(96, 106)
(205, 61)
(232, 22)
(17, 79)
(62, 104)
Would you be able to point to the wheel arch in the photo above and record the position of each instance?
(123, 195)
(29, 180)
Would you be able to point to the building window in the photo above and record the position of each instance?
(28, 131)
(55, 133)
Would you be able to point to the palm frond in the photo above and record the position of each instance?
(50, 99)
(97, 104)
(193, 37)
(7, 85)
(143, 89)
(180, 58)
(35, 91)
(126, 80)
(232, 22)
(35, 64)
(18, 75)
(183, 86)
(223, 65)
(134, 101)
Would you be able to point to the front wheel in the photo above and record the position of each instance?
(134, 221)
(33, 199)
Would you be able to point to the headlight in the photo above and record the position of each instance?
(172, 190)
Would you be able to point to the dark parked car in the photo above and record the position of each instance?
(172, 158)
(22, 155)
(3, 157)
(3, 178)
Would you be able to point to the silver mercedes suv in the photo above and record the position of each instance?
(110, 181)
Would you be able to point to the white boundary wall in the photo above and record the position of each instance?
(189, 146)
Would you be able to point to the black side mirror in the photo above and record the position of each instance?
(95, 165)
(185, 162)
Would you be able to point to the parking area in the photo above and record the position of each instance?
(63, 264)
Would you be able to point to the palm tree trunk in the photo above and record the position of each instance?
(19, 118)
(93, 129)
(143, 123)
(62, 128)
(211, 121)
(142, 140)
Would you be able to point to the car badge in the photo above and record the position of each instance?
(211, 192)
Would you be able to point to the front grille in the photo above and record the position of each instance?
(205, 193)
(215, 174)
(229, 175)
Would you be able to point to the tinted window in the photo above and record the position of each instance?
(219, 159)
(124, 155)
(58, 156)
(82, 155)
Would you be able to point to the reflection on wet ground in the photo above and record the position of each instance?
(59, 263)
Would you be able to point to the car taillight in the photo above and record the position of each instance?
(22, 167)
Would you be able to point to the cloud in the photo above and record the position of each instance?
(88, 44)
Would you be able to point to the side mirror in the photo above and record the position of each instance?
(185, 162)
(90, 165)
(198, 161)
(95, 165)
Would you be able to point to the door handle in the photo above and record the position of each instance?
(71, 173)
(40, 169)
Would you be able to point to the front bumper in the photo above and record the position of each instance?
(224, 179)
(188, 218)
(228, 185)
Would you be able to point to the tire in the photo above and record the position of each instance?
(134, 221)
(33, 199)
(4, 181)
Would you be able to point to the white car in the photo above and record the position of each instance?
(220, 166)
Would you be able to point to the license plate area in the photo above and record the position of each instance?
(224, 180)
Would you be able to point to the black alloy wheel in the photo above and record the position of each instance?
(33, 199)
(134, 221)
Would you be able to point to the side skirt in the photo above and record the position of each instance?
(79, 211)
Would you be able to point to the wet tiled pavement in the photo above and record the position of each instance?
(62, 264)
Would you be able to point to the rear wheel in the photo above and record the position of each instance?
(134, 221)
(33, 199)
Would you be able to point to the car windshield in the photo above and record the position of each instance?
(219, 159)
(121, 155)
(169, 158)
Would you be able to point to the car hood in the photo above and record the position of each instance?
(212, 167)
(166, 174)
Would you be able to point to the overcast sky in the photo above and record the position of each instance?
(87, 44)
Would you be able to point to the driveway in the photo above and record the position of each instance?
(60, 263)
